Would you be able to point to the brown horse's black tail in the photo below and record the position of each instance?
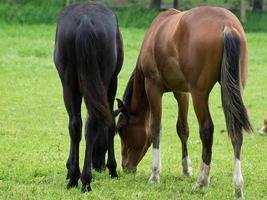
(91, 84)
(235, 112)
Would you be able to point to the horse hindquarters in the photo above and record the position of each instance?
(94, 92)
(235, 112)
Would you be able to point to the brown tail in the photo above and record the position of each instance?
(234, 109)
(90, 80)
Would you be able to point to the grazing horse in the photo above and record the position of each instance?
(263, 130)
(186, 52)
(88, 56)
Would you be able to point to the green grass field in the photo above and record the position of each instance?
(34, 141)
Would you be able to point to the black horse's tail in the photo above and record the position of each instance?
(235, 112)
(91, 84)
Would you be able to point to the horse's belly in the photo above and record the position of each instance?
(173, 77)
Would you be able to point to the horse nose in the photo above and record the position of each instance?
(129, 168)
(127, 165)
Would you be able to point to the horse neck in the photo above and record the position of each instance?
(139, 103)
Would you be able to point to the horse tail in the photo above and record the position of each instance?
(91, 84)
(234, 109)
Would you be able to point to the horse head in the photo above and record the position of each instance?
(134, 138)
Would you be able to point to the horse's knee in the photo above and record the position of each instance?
(75, 127)
(182, 130)
(206, 133)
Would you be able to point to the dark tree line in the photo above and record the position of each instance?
(156, 4)
(257, 5)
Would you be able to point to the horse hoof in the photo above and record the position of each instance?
(187, 168)
(72, 184)
(86, 188)
(196, 187)
(262, 132)
(154, 179)
(188, 172)
(99, 170)
(114, 175)
(129, 170)
(200, 185)
(239, 194)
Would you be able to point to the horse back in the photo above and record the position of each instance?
(105, 27)
(183, 50)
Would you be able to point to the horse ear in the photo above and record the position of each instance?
(120, 103)
(123, 109)
(120, 109)
(124, 114)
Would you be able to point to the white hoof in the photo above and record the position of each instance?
(200, 184)
(188, 172)
(263, 131)
(238, 180)
(187, 169)
(203, 178)
(154, 178)
(239, 194)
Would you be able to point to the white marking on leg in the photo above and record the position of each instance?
(263, 130)
(203, 178)
(155, 166)
(187, 168)
(238, 180)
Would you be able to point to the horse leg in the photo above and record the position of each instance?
(90, 137)
(111, 162)
(99, 155)
(154, 96)
(237, 142)
(183, 130)
(72, 100)
(206, 127)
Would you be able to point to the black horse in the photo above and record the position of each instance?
(88, 56)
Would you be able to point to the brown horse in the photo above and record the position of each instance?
(186, 52)
(263, 130)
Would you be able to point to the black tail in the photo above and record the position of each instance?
(235, 112)
(91, 84)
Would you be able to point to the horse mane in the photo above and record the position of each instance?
(135, 87)
(127, 96)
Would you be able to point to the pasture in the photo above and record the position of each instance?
(34, 141)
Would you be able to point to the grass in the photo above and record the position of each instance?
(34, 139)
